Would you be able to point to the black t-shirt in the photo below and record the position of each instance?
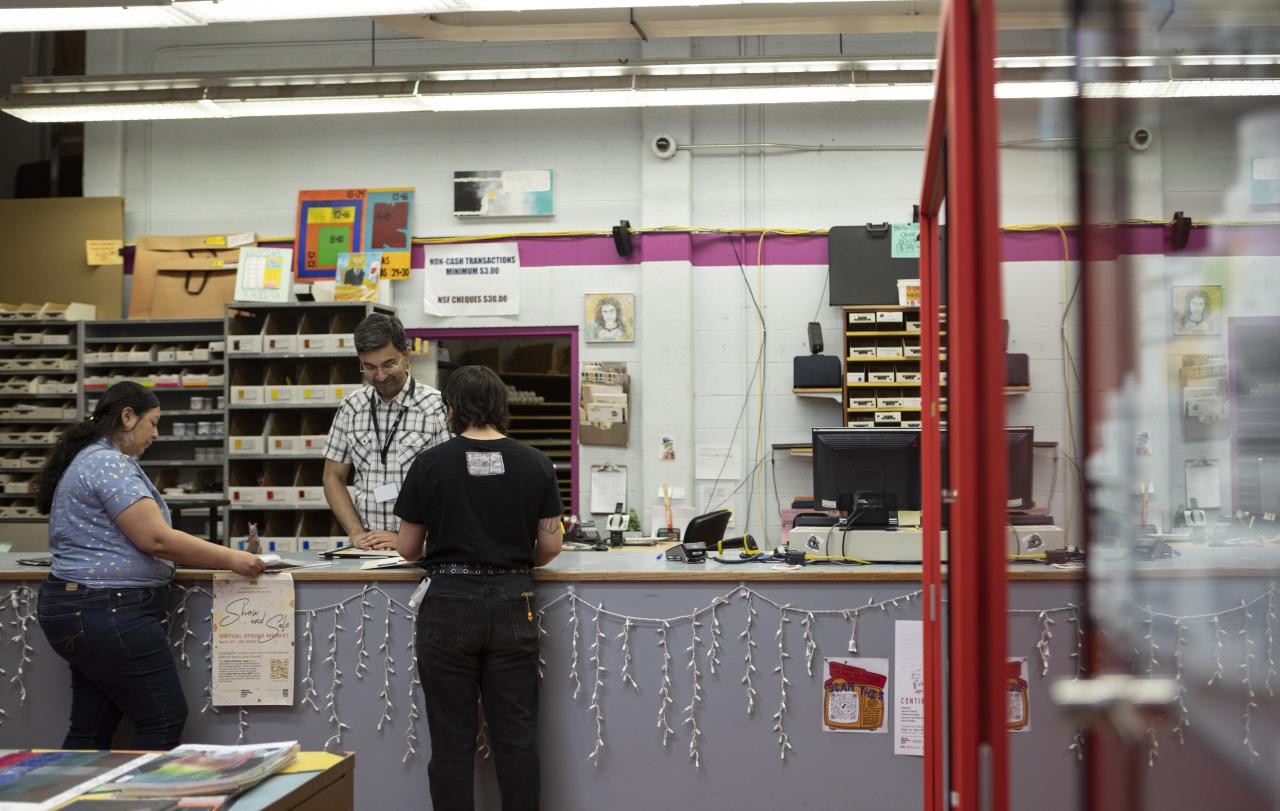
(481, 500)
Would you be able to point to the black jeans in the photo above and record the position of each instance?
(478, 638)
(120, 661)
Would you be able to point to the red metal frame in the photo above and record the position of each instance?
(961, 162)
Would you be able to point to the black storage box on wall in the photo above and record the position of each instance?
(816, 372)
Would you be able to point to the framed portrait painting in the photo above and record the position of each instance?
(610, 317)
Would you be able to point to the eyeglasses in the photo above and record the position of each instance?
(388, 368)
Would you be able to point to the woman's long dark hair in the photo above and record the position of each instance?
(106, 419)
(476, 397)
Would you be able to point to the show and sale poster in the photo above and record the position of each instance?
(472, 279)
(253, 640)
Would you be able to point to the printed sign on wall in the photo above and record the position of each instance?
(472, 279)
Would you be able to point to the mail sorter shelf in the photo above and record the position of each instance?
(882, 386)
(263, 381)
(289, 366)
(39, 398)
(180, 361)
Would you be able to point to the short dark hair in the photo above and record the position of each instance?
(475, 397)
(379, 330)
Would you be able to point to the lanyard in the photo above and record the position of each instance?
(395, 426)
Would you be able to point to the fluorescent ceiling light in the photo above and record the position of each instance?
(242, 11)
(70, 16)
(152, 111)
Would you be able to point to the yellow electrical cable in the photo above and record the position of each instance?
(759, 474)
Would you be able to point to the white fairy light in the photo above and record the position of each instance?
(331, 698)
(1149, 624)
(749, 659)
(852, 617)
(1077, 652)
(597, 705)
(242, 726)
(1042, 647)
(1246, 681)
(1184, 718)
(779, 718)
(309, 694)
(411, 728)
(361, 652)
(810, 646)
(24, 614)
(1270, 620)
(208, 662)
(664, 693)
(181, 617)
(625, 636)
(573, 650)
(691, 711)
(713, 652)
(388, 669)
(1218, 635)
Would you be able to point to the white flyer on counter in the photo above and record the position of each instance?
(472, 279)
(908, 687)
(253, 640)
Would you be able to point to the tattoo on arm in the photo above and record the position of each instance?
(549, 526)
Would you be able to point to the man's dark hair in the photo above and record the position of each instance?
(476, 397)
(379, 330)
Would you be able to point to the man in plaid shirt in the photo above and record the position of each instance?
(378, 431)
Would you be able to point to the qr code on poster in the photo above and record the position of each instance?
(279, 669)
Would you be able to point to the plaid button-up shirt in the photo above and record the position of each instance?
(353, 440)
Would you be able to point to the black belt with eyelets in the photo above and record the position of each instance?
(436, 569)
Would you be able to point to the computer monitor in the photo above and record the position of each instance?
(871, 473)
(868, 473)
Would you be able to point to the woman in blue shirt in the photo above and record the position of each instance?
(103, 605)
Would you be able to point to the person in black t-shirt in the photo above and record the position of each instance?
(488, 509)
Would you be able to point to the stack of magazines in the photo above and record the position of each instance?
(197, 768)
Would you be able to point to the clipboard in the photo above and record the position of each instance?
(608, 487)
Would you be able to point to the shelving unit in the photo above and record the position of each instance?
(537, 371)
(183, 363)
(40, 394)
(881, 387)
(288, 368)
(882, 378)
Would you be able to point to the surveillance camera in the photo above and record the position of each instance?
(664, 146)
(1140, 139)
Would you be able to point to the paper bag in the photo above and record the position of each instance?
(183, 277)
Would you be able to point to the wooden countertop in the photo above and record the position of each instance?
(645, 565)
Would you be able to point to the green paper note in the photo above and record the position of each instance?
(905, 241)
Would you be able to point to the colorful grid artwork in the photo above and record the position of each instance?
(387, 229)
(330, 222)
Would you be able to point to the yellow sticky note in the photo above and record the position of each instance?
(217, 263)
(103, 252)
(319, 216)
(271, 277)
(275, 394)
(216, 242)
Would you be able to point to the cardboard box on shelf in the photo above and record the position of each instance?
(183, 277)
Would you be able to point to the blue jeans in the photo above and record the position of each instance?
(120, 661)
(477, 639)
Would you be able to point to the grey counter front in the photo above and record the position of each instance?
(739, 753)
